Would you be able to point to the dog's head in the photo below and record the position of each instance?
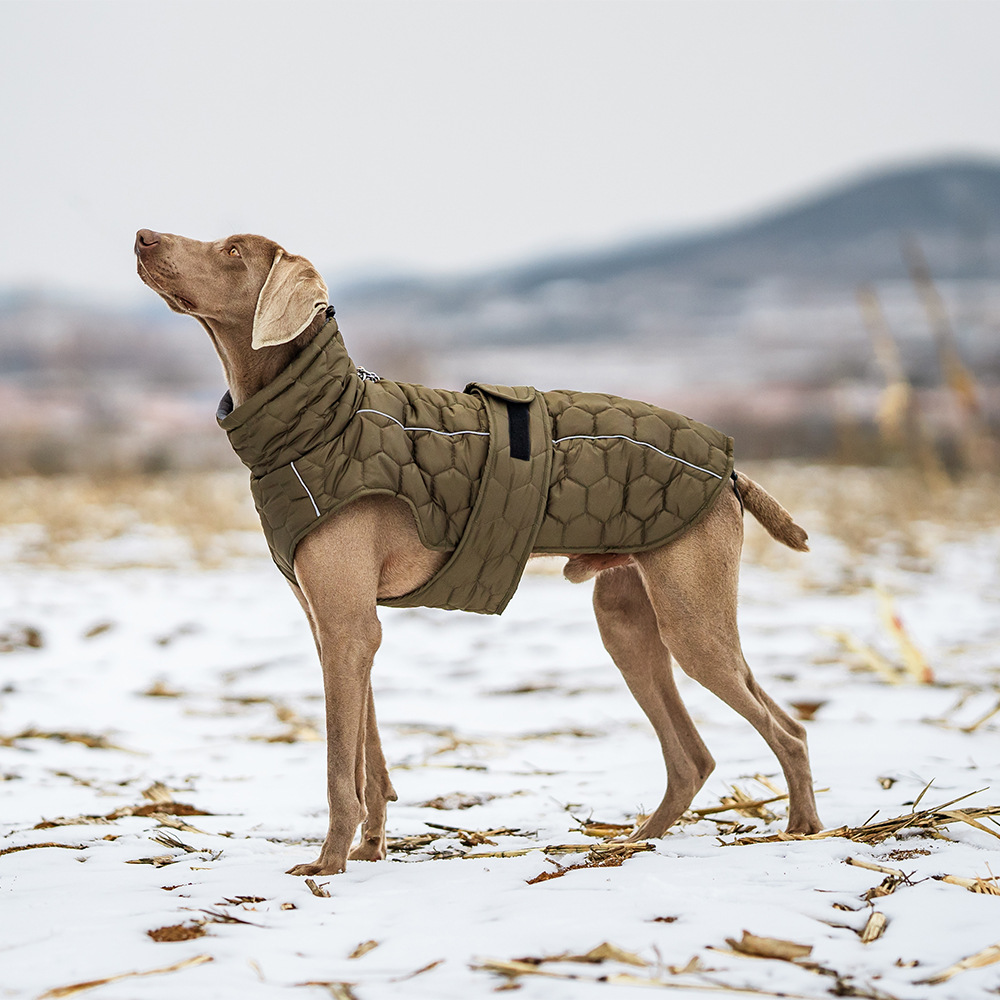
(244, 283)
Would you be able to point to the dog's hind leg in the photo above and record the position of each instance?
(378, 793)
(692, 585)
(630, 633)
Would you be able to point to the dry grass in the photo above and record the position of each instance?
(92, 740)
(868, 510)
(48, 843)
(178, 932)
(658, 975)
(66, 991)
(43, 520)
(931, 821)
(46, 519)
(160, 807)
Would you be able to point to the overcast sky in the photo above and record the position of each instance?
(449, 136)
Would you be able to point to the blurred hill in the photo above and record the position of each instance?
(776, 293)
(846, 235)
(754, 326)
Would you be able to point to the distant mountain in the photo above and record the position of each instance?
(832, 241)
(850, 233)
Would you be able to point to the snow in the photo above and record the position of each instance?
(524, 715)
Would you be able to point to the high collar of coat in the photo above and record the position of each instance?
(327, 346)
(275, 424)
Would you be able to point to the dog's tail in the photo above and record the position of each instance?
(777, 522)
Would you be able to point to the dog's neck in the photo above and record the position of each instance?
(247, 371)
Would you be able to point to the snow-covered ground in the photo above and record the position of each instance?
(200, 686)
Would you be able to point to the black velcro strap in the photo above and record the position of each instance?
(517, 425)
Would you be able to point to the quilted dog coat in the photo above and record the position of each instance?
(492, 474)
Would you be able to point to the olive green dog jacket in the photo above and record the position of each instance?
(492, 474)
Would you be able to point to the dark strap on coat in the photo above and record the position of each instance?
(519, 431)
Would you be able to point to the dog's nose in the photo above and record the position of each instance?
(146, 238)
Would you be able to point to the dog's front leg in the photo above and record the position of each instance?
(378, 787)
(341, 609)
(346, 652)
(378, 793)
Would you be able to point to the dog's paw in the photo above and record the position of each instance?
(315, 870)
(368, 851)
(804, 827)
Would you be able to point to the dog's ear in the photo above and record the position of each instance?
(292, 295)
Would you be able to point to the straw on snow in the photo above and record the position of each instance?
(874, 833)
(65, 991)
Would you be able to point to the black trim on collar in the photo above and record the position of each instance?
(225, 406)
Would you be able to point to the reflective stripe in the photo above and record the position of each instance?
(429, 430)
(574, 437)
(306, 488)
(644, 444)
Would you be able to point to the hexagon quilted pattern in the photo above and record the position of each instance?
(604, 473)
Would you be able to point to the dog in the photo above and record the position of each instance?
(264, 311)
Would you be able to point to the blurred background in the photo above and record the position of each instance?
(780, 218)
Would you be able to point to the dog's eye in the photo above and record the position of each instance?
(234, 252)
